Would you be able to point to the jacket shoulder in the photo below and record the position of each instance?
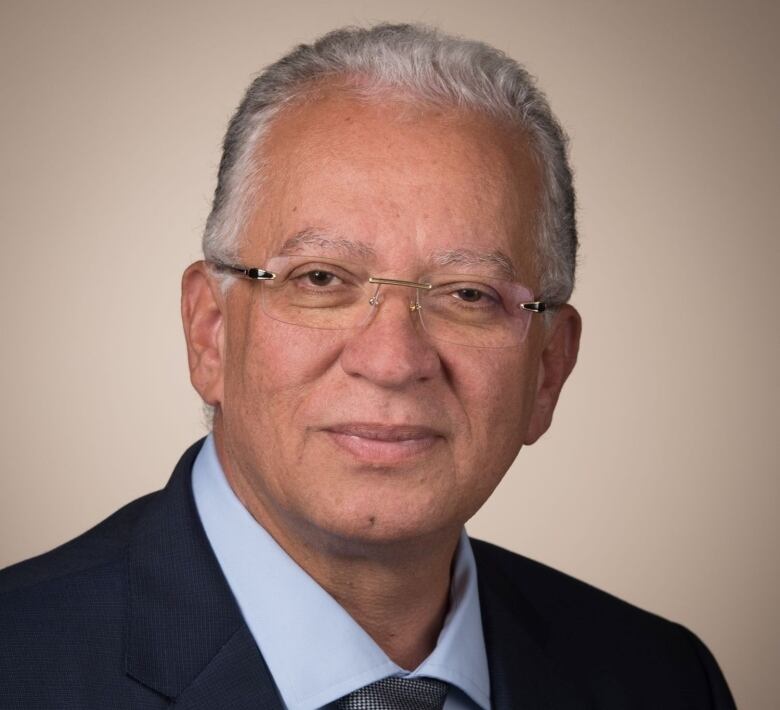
(551, 591)
(557, 599)
(99, 546)
(620, 652)
(63, 619)
(67, 616)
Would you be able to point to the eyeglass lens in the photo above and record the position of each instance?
(466, 309)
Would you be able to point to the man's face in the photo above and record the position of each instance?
(381, 433)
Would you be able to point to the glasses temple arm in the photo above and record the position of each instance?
(254, 273)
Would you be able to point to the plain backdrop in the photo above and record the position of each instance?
(658, 480)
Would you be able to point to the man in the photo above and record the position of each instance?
(379, 324)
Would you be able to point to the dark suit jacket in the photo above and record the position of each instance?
(136, 613)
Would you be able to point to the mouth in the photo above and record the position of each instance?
(383, 443)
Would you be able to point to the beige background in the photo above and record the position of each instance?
(659, 478)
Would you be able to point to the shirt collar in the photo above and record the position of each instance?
(314, 649)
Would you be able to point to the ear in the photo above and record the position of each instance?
(557, 360)
(202, 306)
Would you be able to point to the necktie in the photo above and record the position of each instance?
(397, 694)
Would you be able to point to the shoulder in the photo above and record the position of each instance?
(555, 600)
(98, 549)
(66, 615)
(611, 646)
(63, 617)
(554, 595)
(82, 557)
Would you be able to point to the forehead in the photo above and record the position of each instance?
(403, 181)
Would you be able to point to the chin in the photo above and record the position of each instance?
(379, 524)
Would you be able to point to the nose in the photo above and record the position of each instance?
(391, 349)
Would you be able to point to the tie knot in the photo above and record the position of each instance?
(397, 694)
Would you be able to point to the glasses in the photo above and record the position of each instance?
(465, 309)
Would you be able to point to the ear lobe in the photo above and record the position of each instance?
(201, 313)
(557, 360)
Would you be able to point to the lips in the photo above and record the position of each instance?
(384, 432)
(383, 443)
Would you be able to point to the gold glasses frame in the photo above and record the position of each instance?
(262, 274)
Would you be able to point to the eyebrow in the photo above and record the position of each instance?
(358, 250)
(313, 237)
(495, 259)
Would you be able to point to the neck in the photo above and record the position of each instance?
(399, 599)
(397, 591)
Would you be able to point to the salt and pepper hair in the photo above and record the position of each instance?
(424, 65)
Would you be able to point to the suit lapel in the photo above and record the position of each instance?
(236, 678)
(522, 676)
(186, 638)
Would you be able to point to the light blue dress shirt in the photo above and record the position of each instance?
(314, 649)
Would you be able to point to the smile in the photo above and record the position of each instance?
(382, 443)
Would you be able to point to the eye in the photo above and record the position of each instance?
(470, 295)
(476, 295)
(321, 278)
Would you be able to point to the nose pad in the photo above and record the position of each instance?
(378, 298)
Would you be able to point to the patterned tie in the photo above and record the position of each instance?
(397, 694)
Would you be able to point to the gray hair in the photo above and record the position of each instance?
(431, 67)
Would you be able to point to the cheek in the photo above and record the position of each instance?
(281, 363)
(273, 373)
(497, 396)
(498, 400)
